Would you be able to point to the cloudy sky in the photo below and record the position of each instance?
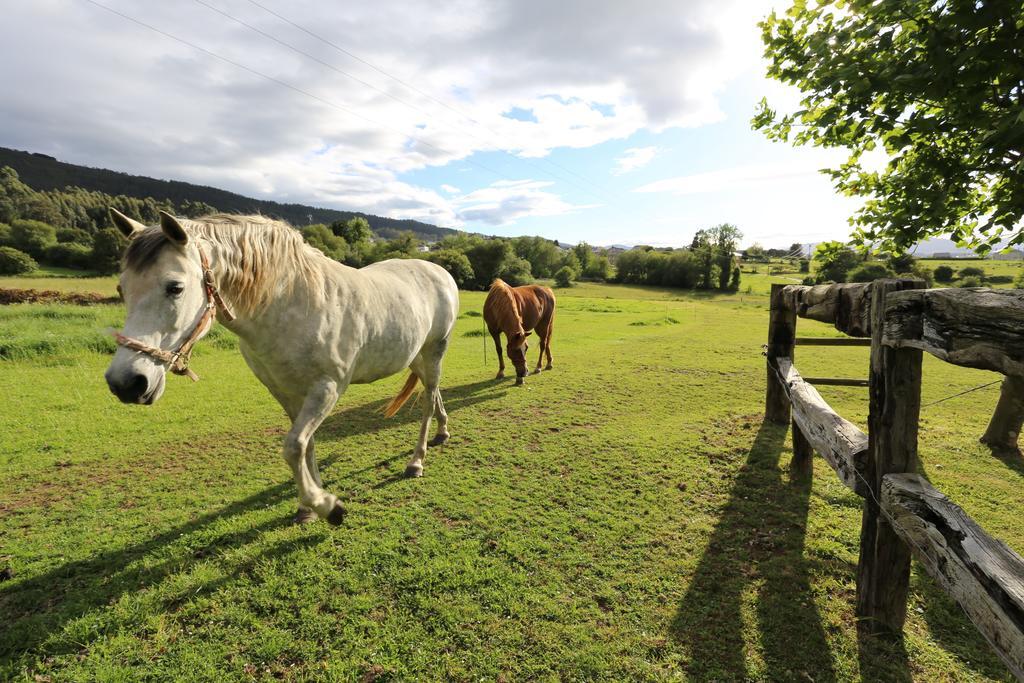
(597, 120)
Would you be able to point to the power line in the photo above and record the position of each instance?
(285, 84)
(334, 68)
(400, 81)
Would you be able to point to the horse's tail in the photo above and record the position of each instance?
(398, 401)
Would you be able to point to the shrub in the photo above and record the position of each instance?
(68, 255)
(999, 279)
(516, 271)
(5, 235)
(1019, 281)
(598, 268)
(901, 263)
(74, 235)
(972, 271)
(921, 272)
(734, 283)
(805, 266)
(869, 272)
(809, 280)
(969, 281)
(14, 262)
(32, 237)
(564, 277)
(107, 247)
(455, 262)
(943, 273)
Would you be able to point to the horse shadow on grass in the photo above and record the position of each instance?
(756, 548)
(35, 611)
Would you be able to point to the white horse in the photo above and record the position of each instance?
(307, 325)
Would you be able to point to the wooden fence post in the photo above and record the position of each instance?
(883, 572)
(781, 335)
(1005, 426)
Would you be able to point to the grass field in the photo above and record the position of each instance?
(626, 516)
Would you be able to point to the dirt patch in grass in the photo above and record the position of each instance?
(66, 481)
(50, 296)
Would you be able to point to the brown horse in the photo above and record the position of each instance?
(517, 311)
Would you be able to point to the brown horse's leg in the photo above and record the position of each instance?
(496, 335)
(547, 339)
(540, 356)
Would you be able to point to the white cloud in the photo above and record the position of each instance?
(634, 158)
(108, 92)
(506, 201)
(736, 178)
(450, 189)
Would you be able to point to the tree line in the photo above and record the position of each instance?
(70, 228)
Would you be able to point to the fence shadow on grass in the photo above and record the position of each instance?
(757, 546)
(36, 610)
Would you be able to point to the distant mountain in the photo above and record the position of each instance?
(42, 172)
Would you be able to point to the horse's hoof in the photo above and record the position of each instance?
(536, 371)
(549, 368)
(439, 439)
(500, 375)
(413, 471)
(337, 515)
(519, 381)
(303, 516)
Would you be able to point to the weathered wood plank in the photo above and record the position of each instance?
(847, 306)
(984, 576)
(1008, 417)
(883, 569)
(781, 332)
(977, 328)
(843, 445)
(832, 341)
(837, 381)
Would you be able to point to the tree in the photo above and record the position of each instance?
(320, 236)
(353, 231)
(14, 262)
(599, 268)
(455, 262)
(703, 251)
(107, 247)
(564, 277)
(835, 260)
(937, 85)
(543, 255)
(755, 252)
(32, 237)
(725, 238)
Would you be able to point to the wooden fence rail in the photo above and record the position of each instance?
(902, 513)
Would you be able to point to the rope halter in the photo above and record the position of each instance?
(178, 359)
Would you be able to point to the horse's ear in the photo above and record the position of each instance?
(174, 230)
(127, 226)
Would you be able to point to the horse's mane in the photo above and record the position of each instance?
(254, 256)
(501, 304)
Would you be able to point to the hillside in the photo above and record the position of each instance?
(46, 173)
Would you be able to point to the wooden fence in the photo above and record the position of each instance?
(903, 514)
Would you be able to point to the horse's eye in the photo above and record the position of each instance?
(175, 289)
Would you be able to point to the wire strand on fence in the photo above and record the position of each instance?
(977, 388)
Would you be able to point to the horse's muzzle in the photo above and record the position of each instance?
(132, 389)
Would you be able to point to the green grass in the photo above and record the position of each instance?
(625, 516)
(48, 279)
